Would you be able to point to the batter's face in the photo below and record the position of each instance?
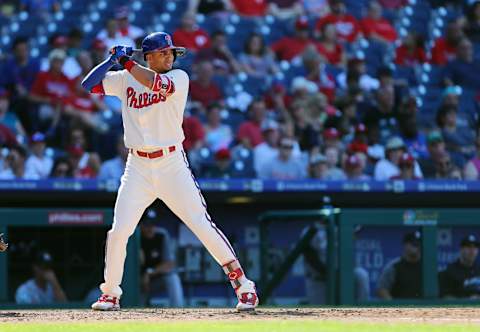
(160, 61)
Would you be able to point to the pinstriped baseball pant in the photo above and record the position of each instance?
(168, 178)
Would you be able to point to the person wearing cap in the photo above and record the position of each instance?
(158, 262)
(44, 287)
(401, 278)
(347, 26)
(436, 148)
(38, 163)
(386, 168)
(222, 167)
(354, 166)
(190, 35)
(285, 166)
(268, 149)
(461, 278)
(407, 167)
(331, 138)
(289, 47)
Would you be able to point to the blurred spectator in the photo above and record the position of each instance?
(190, 35)
(250, 7)
(38, 163)
(285, 9)
(14, 167)
(303, 128)
(288, 47)
(458, 139)
(51, 89)
(333, 157)
(347, 26)
(381, 117)
(315, 72)
(249, 133)
(85, 164)
(222, 167)
(445, 169)
(389, 167)
(461, 278)
(158, 262)
(40, 8)
(407, 168)
(112, 169)
(7, 117)
(411, 52)
(436, 148)
(217, 134)
(98, 49)
(264, 152)
(219, 55)
(194, 133)
(331, 138)
(402, 277)
(209, 7)
(9, 7)
(257, 60)
(356, 76)
(472, 167)
(44, 287)
(70, 66)
(462, 70)
(375, 27)
(354, 168)
(111, 36)
(18, 74)
(62, 169)
(285, 166)
(444, 48)
(74, 41)
(203, 89)
(124, 27)
(329, 47)
(415, 139)
(318, 168)
(472, 27)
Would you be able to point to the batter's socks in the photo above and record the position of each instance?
(235, 274)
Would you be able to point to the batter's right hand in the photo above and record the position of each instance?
(118, 52)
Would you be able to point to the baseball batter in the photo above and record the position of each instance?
(153, 102)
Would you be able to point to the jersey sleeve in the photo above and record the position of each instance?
(387, 277)
(114, 83)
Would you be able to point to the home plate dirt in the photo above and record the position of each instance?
(408, 315)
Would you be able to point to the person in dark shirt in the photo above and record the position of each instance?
(402, 277)
(462, 277)
(157, 262)
(464, 68)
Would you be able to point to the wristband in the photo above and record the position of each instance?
(127, 62)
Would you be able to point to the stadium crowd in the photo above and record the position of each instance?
(302, 101)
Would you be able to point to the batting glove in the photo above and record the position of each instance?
(117, 52)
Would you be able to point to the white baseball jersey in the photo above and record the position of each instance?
(150, 120)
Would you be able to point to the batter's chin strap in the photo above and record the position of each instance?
(234, 272)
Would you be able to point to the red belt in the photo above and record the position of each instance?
(154, 154)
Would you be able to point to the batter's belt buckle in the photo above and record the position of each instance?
(155, 154)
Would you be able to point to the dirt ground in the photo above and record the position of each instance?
(387, 315)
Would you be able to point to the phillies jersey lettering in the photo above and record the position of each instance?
(152, 118)
(144, 99)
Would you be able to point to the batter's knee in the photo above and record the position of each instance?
(120, 233)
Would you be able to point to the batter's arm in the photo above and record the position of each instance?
(147, 77)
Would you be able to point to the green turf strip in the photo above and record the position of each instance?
(255, 326)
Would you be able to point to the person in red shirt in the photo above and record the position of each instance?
(202, 88)
(346, 25)
(249, 133)
(444, 48)
(375, 26)
(194, 133)
(411, 51)
(289, 47)
(315, 72)
(250, 7)
(190, 35)
(329, 47)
